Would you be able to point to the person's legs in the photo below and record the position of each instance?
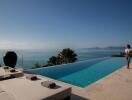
(127, 59)
(128, 62)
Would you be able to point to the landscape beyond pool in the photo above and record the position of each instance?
(28, 58)
(82, 73)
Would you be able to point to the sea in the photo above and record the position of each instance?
(28, 58)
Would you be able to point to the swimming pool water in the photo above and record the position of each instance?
(82, 73)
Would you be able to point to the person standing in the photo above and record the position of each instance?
(128, 54)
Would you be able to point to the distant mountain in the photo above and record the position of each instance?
(105, 48)
(113, 47)
(97, 48)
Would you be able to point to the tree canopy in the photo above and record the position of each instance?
(67, 55)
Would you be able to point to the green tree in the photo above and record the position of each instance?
(67, 56)
(53, 60)
(36, 65)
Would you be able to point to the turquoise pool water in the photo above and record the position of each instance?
(82, 73)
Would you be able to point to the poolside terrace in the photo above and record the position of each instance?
(116, 86)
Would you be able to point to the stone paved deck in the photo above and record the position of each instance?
(116, 86)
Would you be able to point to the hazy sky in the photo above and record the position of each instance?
(51, 24)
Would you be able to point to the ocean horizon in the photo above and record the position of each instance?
(28, 58)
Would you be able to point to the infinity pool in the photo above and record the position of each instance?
(82, 73)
